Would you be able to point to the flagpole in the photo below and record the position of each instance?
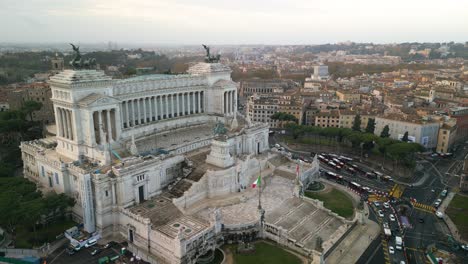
(260, 188)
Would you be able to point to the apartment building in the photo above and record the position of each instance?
(420, 130)
(446, 138)
(260, 109)
(328, 118)
(349, 96)
(39, 92)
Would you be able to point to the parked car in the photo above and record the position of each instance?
(381, 214)
(444, 193)
(421, 220)
(377, 204)
(95, 251)
(386, 205)
(392, 217)
(90, 243)
(437, 202)
(391, 250)
(439, 214)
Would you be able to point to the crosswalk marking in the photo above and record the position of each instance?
(424, 207)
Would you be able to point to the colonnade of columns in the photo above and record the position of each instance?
(104, 129)
(229, 102)
(65, 123)
(153, 108)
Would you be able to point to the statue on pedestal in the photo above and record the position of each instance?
(209, 58)
(77, 62)
(219, 129)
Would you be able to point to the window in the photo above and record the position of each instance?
(107, 193)
(140, 177)
(56, 178)
(42, 171)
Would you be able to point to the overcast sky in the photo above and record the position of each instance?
(233, 21)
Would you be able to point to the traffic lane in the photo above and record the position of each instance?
(374, 184)
(395, 228)
(398, 255)
(83, 255)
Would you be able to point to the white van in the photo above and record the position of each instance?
(90, 243)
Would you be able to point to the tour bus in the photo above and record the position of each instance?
(334, 165)
(322, 158)
(337, 161)
(371, 175)
(357, 168)
(378, 174)
(355, 186)
(334, 176)
(345, 159)
(351, 170)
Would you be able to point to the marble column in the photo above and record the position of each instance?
(230, 102)
(224, 103)
(150, 108)
(91, 129)
(139, 111)
(70, 124)
(132, 103)
(183, 104)
(144, 110)
(234, 102)
(109, 126)
(100, 126)
(202, 101)
(189, 105)
(122, 118)
(199, 105)
(115, 122)
(67, 123)
(156, 106)
(167, 106)
(233, 94)
(59, 122)
(127, 120)
(160, 108)
(193, 103)
(62, 123)
(177, 104)
(172, 106)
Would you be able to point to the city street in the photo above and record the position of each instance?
(425, 228)
(83, 255)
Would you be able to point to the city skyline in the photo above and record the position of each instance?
(219, 22)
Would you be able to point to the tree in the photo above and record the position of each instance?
(385, 132)
(29, 107)
(405, 137)
(31, 212)
(357, 123)
(370, 126)
(284, 117)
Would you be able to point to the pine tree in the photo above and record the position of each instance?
(370, 126)
(405, 137)
(357, 123)
(385, 132)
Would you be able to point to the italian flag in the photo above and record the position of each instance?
(257, 182)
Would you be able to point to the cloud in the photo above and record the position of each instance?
(241, 21)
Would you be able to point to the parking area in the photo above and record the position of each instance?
(84, 255)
